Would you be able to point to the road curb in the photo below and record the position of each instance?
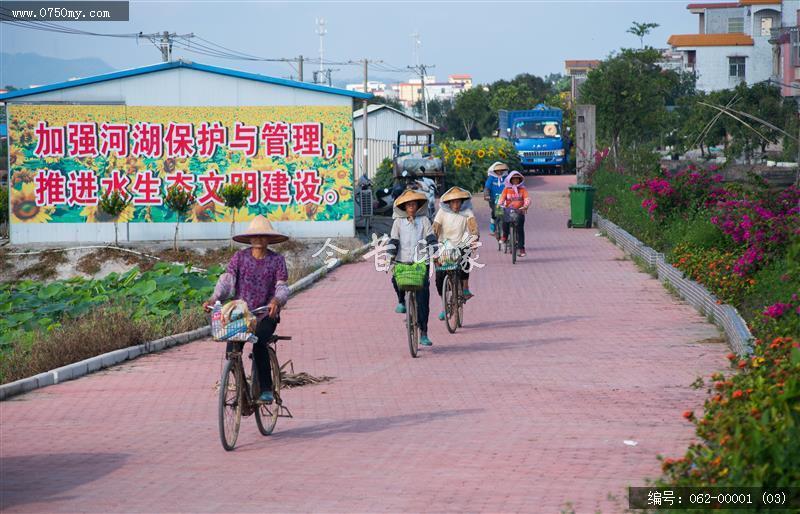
(725, 316)
(106, 360)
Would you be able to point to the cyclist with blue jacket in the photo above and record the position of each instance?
(493, 188)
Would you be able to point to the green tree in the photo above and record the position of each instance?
(180, 201)
(113, 204)
(470, 109)
(235, 196)
(640, 30)
(629, 91)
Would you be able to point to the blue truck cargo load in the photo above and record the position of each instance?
(537, 136)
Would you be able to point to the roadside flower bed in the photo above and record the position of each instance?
(714, 269)
(743, 244)
(750, 424)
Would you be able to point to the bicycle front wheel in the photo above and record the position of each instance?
(460, 302)
(412, 326)
(449, 303)
(231, 393)
(512, 238)
(267, 415)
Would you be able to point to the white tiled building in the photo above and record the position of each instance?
(732, 44)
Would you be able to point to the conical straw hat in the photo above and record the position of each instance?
(456, 193)
(260, 226)
(410, 195)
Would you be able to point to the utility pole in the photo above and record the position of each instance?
(321, 31)
(364, 169)
(166, 47)
(300, 67)
(365, 159)
(422, 69)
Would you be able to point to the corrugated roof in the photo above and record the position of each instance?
(182, 64)
(710, 40)
(725, 5)
(760, 2)
(376, 107)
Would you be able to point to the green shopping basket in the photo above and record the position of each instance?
(409, 277)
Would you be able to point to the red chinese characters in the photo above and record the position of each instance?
(179, 140)
(50, 187)
(250, 180)
(275, 187)
(306, 187)
(183, 180)
(307, 138)
(148, 140)
(83, 187)
(245, 138)
(211, 182)
(116, 182)
(147, 189)
(81, 139)
(49, 141)
(275, 137)
(211, 137)
(114, 138)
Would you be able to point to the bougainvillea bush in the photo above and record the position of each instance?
(743, 244)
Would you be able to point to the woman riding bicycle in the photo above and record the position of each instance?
(410, 237)
(456, 227)
(515, 196)
(258, 276)
(493, 188)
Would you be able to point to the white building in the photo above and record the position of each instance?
(197, 88)
(384, 122)
(732, 44)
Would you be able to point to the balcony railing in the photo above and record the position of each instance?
(790, 35)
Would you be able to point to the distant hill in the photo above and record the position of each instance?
(24, 70)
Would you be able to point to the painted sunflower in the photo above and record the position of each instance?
(22, 176)
(202, 213)
(226, 214)
(93, 214)
(15, 156)
(24, 208)
(289, 213)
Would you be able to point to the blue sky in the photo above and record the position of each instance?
(489, 40)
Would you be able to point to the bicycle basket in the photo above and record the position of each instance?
(234, 330)
(498, 212)
(512, 216)
(409, 276)
(448, 260)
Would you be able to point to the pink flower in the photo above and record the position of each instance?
(776, 310)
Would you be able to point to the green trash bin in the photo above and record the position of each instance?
(581, 198)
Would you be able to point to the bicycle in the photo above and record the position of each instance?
(452, 295)
(239, 391)
(409, 278)
(512, 216)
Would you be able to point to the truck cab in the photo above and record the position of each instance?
(537, 135)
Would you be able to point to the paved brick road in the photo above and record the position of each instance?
(563, 357)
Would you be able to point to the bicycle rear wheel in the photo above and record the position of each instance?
(412, 326)
(267, 415)
(231, 393)
(449, 303)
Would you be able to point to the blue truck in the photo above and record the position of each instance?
(538, 137)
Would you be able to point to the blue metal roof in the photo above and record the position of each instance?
(182, 64)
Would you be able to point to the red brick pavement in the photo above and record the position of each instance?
(562, 358)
